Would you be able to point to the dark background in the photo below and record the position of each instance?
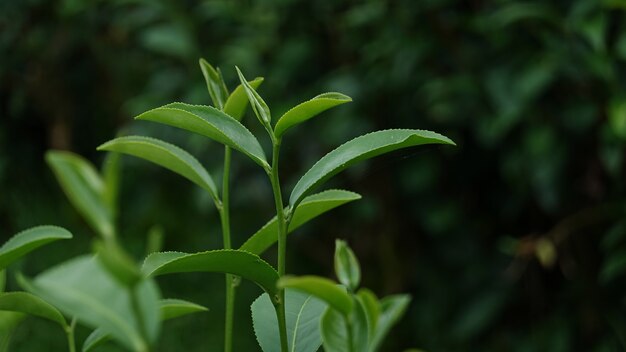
(513, 241)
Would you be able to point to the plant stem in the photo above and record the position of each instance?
(69, 331)
(134, 302)
(282, 242)
(224, 211)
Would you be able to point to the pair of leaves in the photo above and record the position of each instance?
(169, 309)
(294, 116)
(91, 195)
(303, 313)
(82, 288)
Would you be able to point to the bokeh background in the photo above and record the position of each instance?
(513, 241)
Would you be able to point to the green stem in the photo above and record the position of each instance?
(224, 211)
(134, 302)
(69, 331)
(282, 242)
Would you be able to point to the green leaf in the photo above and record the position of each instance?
(95, 339)
(215, 84)
(209, 122)
(303, 313)
(322, 288)
(118, 263)
(84, 188)
(236, 262)
(311, 207)
(173, 308)
(238, 100)
(3, 280)
(83, 289)
(29, 240)
(347, 267)
(111, 173)
(170, 309)
(24, 302)
(358, 149)
(309, 109)
(335, 335)
(393, 308)
(372, 308)
(260, 108)
(164, 154)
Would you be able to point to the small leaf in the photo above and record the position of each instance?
(358, 149)
(215, 84)
(84, 188)
(303, 313)
(393, 308)
(372, 308)
(95, 339)
(260, 108)
(83, 289)
(111, 172)
(119, 264)
(164, 154)
(322, 288)
(238, 100)
(173, 308)
(335, 335)
(209, 122)
(311, 207)
(24, 302)
(240, 263)
(29, 240)
(347, 267)
(170, 309)
(309, 109)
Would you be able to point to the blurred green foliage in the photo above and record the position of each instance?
(514, 241)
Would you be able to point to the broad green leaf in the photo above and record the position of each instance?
(215, 84)
(238, 100)
(84, 188)
(173, 308)
(358, 149)
(335, 335)
(347, 267)
(83, 289)
(260, 108)
(322, 288)
(309, 109)
(209, 122)
(118, 263)
(24, 302)
(371, 307)
(392, 309)
(170, 309)
(111, 174)
(8, 322)
(3, 280)
(302, 315)
(164, 154)
(229, 261)
(311, 207)
(29, 240)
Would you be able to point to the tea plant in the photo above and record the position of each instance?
(110, 292)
